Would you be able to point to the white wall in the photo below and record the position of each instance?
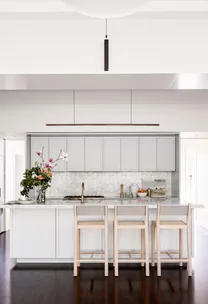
(29, 111)
(15, 166)
(194, 174)
(15, 151)
(76, 46)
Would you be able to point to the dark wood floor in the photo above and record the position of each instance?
(57, 286)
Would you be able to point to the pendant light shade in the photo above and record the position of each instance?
(105, 8)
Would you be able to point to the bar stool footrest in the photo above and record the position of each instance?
(92, 253)
(174, 260)
(131, 261)
(90, 261)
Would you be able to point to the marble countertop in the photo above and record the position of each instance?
(53, 203)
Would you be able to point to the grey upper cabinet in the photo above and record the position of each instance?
(111, 154)
(166, 154)
(55, 145)
(36, 144)
(108, 154)
(76, 153)
(147, 154)
(129, 154)
(93, 154)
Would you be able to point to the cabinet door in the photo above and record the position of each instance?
(33, 233)
(75, 149)
(2, 142)
(147, 154)
(36, 144)
(111, 154)
(55, 145)
(129, 154)
(65, 233)
(166, 154)
(93, 154)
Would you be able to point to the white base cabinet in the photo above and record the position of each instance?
(47, 235)
(33, 233)
(64, 233)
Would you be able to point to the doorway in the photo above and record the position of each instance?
(194, 176)
(202, 188)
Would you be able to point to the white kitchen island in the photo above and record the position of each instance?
(45, 233)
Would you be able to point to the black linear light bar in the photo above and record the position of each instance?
(101, 125)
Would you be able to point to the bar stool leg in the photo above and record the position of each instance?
(106, 251)
(181, 247)
(189, 251)
(146, 251)
(113, 246)
(153, 244)
(116, 250)
(158, 252)
(75, 251)
(142, 245)
(78, 247)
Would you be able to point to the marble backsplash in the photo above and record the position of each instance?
(102, 183)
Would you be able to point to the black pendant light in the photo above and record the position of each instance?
(106, 48)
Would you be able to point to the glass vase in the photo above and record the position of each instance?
(41, 197)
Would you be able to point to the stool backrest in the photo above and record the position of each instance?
(131, 210)
(141, 211)
(90, 210)
(173, 211)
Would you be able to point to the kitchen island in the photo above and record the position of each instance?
(44, 233)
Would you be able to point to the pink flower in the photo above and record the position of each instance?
(39, 153)
(41, 164)
(48, 166)
(50, 160)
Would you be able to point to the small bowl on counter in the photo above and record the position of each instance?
(142, 193)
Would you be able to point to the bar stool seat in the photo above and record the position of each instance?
(91, 224)
(91, 211)
(130, 225)
(172, 224)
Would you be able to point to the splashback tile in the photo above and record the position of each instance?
(102, 183)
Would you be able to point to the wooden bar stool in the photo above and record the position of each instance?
(172, 224)
(139, 211)
(90, 211)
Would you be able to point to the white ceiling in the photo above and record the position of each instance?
(173, 7)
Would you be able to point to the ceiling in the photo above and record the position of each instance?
(164, 8)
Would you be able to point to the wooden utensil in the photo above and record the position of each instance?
(122, 191)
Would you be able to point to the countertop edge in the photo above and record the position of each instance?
(111, 205)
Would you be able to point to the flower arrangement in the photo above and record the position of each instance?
(40, 175)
